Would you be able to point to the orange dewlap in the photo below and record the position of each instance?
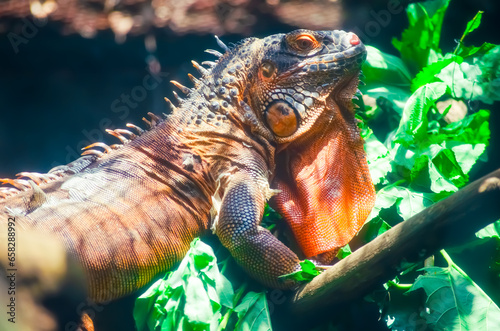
(327, 191)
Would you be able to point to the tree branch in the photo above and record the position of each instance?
(446, 223)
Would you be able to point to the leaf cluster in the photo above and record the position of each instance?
(437, 132)
(197, 296)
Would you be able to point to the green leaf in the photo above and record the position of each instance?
(428, 73)
(202, 255)
(418, 167)
(309, 268)
(246, 303)
(465, 51)
(441, 159)
(455, 302)
(419, 43)
(473, 129)
(344, 252)
(144, 309)
(477, 78)
(439, 182)
(467, 155)
(425, 159)
(490, 231)
(190, 297)
(406, 157)
(447, 165)
(169, 315)
(472, 24)
(408, 202)
(462, 78)
(270, 218)
(378, 158)
(385, 199)
(374, 228)
(458, 147)
(398, 96)
(224, 291)
(197, 308)
(308, 271)
(413, 125)
(253, 313)
(385, 68)
(375, 224)
(412, 202)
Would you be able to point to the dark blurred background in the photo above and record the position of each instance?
(70, 69)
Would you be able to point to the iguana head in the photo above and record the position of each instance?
(300, 87)
(296, 74)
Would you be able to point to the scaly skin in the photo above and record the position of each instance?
(271, 113)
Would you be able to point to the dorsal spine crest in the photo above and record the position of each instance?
(207, 106)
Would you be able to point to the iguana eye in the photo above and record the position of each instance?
(304, 42)
(267, 69)
(281, 119)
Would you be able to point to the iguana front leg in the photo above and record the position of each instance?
(261, 254)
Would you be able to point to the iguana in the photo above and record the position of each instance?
(272, 118)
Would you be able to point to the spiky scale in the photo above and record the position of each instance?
(8, 191)
(31, 175)
(137, 128)
(117, 135)
(177, 97)
(170, 104)
(154, 117)
(93, 152)
(154, 120)
(211, 64)
(201, 70)
(221, 44)
(195, 80)
(130, 134)
(37, 199)
(38, 178)
(213, 52)
(20, 184)
(145, 120)
(182, 88)
(106, 148)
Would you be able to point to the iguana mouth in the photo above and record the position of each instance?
(343, 92)
(340, 72)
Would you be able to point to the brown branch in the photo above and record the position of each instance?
(446, 223)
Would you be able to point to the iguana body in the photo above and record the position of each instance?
(272, 113)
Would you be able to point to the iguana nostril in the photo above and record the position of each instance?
(354, 40)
